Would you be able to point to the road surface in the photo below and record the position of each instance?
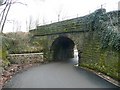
(58, 75)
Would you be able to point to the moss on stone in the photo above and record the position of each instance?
(105, 61)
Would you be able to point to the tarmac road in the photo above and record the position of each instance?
(57, 75)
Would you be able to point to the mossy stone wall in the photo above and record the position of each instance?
(94, 56)
(102, 60)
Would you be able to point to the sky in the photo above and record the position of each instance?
(40, 12)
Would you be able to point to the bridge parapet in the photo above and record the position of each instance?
(76, 24)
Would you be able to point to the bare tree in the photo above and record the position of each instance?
(37, 22)
(7, 8)
(119, 5)
(58, 11)
(5, 12)
(13, 22)
(30, 23)
(18, 26)
(44, 21)
(27, 26)
(61, 15)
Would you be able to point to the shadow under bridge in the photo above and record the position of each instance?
(62, 48)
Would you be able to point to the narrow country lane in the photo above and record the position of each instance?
(57, 75)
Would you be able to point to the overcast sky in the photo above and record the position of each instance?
(46, 11)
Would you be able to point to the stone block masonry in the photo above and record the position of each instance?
(96, 35)
(28, 58)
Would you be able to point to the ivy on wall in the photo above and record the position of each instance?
(102, 47)
(107, 26)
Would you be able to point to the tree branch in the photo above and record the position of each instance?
(9, 5)
(3, 13)
(19, 3)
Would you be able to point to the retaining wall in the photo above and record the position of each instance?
(26, 58)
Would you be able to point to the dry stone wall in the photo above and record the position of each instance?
(26, 58)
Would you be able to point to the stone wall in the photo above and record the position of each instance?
(26, 58)
(95, 55)
(76, 24)
(99, 52)
(101, 60)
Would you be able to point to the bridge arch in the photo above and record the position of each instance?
(62, 48)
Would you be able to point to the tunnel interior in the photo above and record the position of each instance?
(62, 48)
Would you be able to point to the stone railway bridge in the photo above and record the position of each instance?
(60, 46)
(59, 39)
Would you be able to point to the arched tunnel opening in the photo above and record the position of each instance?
(62, 48)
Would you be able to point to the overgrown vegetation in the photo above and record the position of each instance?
(22, 43)
(16, 43)
(101, 60)
(5, 45)
(107, 27)
(102, 49)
